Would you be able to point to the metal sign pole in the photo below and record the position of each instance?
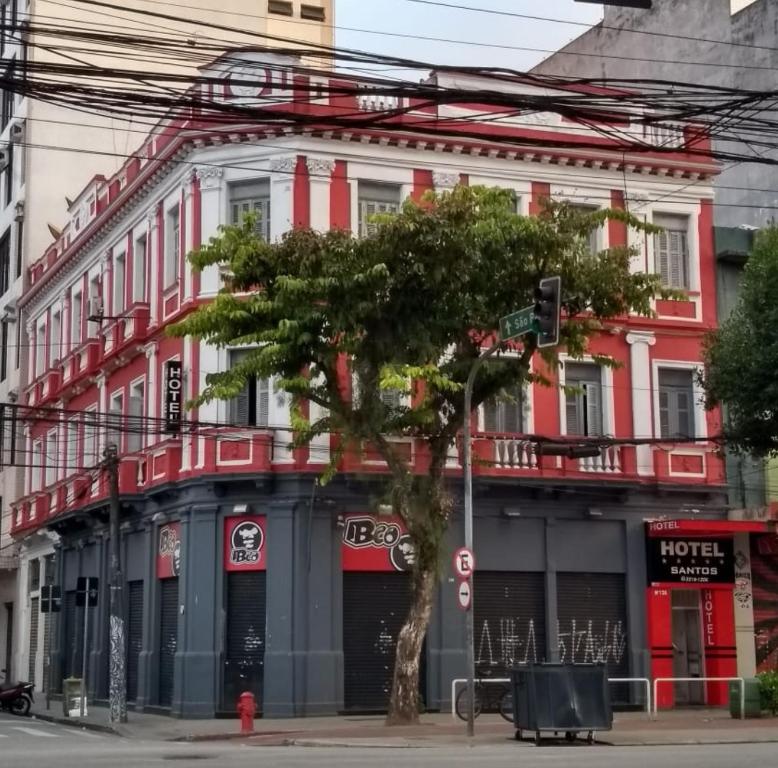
(84, 648)
(467, 471)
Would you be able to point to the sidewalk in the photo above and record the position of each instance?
(629, 729)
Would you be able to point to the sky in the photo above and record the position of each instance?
(410, 18)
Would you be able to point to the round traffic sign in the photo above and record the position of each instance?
(464, 595)
(464, 562)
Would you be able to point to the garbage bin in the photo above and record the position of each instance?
(753, 703)
(561, 697)
(71, 697)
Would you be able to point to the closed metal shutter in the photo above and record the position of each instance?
(510, 620)
(71, 637)
(134, 636)
(375, 606)
(244, 647)
(34, 622)
(168, 639)
(592, 613)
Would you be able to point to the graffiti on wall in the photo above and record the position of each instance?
(505, 642)
(764, 585)
(584, 641)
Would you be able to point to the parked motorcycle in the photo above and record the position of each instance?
(16, 697)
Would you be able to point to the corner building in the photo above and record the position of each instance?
(242, 573)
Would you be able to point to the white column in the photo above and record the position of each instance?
(642, 401)
(62, 442)
(279, 417)
(153, 395)
(102, 410)
(188, 375)
(281, 195)
(211, 213)
(320, 171)
(189, 221)
(153, 265)
(208, 412)
(744, 607)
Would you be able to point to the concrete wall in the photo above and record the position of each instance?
(657, 57)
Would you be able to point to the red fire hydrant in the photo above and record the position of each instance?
(247, 708)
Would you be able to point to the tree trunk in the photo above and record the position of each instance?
(404, 702)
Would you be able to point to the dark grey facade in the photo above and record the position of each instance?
(669, 42)
(558, 537)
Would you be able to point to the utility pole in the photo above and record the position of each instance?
(467, 471)
(117, 685)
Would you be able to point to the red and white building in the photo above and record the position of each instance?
(566, 539)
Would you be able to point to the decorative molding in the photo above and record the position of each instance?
(151, 350)
(284, 164)
(641, 337)
(445, 179)
(209, 176)
(320, 166)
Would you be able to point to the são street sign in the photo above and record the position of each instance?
(518, 323)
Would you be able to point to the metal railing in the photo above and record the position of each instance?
(615, 680)
(739, 680)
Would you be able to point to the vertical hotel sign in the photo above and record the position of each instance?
(173, 390)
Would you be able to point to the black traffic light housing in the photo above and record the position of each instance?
(548, 302)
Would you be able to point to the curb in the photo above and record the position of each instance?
(70, 723)
(231, 736)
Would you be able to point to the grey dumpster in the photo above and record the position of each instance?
(567, 698)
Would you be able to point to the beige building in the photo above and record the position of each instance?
(48, 153)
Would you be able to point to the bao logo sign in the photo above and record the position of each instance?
(244, 544)
(169, 551)
(691, 561)
(376, 544)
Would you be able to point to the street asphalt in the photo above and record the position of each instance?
(27, 743)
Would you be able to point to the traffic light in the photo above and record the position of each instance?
(548, 296)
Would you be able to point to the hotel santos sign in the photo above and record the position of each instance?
(690, 561)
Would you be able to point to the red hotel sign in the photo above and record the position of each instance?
(375, 544)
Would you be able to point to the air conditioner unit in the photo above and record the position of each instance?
(95, 310)
(16, 133)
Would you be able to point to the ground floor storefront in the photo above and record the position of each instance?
(298, 596)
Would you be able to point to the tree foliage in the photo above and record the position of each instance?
(741, 358)
(407, 308)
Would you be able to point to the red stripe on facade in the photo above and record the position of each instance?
(302, 195)
(707, 263)
(422, 183)
(617, 230)
(464, 179)
(540, 191)
(340, 197)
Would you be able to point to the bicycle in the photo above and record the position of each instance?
(488, 697)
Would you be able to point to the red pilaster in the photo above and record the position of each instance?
(707, 263)
(660, 641)
(617, 230)
(301, 195)
(718, 634)
(540, 192)
(340, 197)
(422, 183)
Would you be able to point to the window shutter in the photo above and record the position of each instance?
(664, 413)
(573, 410)
(391, 398)
(367, 209)
(662, 258)
(114, 434)
(490, 416)
(135, 433)
(261, 208)
(593, 409)
(263, 402)
(684, 421)
(678, 261)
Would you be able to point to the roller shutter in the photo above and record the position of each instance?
(134, 635)
(510, 620)
(244, 647)
(592, 613)
(168, 638)
(33, 648)
(375, 606)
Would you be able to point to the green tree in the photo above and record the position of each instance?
(408, 308)
(741, 358)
